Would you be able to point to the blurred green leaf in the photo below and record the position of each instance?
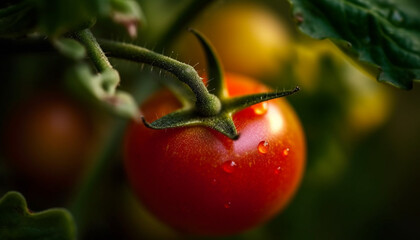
(17, 19)
(383, 36)
(58, 17)
(50, 17)
(54, 18)
(17, 222)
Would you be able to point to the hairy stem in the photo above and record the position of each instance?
(93, 49)
(207, 104)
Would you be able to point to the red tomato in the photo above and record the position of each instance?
(201, 182)
(48, 139)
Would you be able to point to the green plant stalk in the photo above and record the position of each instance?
(93, 49)
(207, 104)
(81, 201)
(188, 13)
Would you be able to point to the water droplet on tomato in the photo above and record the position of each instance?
(277, 170)
(286, 152)
(214, 181)
(229, 166)
(260, 108)
(227, 205)
(263, 147)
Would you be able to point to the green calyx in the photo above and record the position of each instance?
(221, 121)
(215, 110)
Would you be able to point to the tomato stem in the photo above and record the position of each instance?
(206, 103)
(93, 49)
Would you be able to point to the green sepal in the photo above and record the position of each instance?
(70, 48)
(221, 122)
(236, 104)
(188, 117)
(17, 222)
(101, 87)
(381, 36)
(216, 83)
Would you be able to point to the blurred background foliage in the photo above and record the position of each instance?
(361, 179)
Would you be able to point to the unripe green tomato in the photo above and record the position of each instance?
(307, 62)
(368, 103)
(248, 37)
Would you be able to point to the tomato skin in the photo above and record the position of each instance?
(48, 138)
(201, 182)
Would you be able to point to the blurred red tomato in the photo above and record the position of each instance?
(47, 140)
